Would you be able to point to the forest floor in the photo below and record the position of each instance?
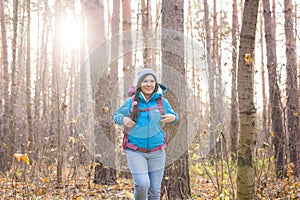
(208, 180)
(201, 189)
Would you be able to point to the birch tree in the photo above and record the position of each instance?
(247, 110)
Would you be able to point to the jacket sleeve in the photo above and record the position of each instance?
(169, 110)
(122, 111)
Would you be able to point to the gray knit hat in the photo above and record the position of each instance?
(143, 73)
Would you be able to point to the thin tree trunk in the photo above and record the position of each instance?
(265, 134)
(247, 110)
(28, 82)
(5, 121)
(13, 96)
(127, 46)
(234, 105)
(292, 105)
(56, 115)
(147, 32)
(83, 83)
(274, 91)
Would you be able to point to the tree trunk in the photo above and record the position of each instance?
(56, 115)
(127, 45)
(28, 83)
(247, 110)
(210, 54)
(147, 32)
(4, 135)
(234, 105)
(176, 184)
(13, 96)
(104, 174)
(265, 133)
(274, 91)
(292, 105)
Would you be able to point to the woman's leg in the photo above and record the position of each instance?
(139, 169)
(156, 165)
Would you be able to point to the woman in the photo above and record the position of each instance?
(143, 118)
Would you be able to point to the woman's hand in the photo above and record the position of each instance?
(129, 123)
(167, 118)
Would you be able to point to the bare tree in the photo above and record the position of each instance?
(4, 129)
(28, 82)
(127, 46)
(13, 96)
(101, 88)
(292, 105)
(177, 183)
(247, 110)
(146, 27)
(274, 91)
(234, 105)
(56, 113)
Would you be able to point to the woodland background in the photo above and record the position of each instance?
(233, 72)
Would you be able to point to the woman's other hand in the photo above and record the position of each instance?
(129, 123)
(167, 118)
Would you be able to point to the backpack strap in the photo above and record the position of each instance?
(160, 106)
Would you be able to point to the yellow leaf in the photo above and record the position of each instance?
(96, 164)
(248, 59)
(81, 137)
(25, 158)
(106, 109)
(296, 114)
(45, 180)
(18, 156)
(72, 140)
(41, 191)
(272, 134)
(4, 145)
(116, 126)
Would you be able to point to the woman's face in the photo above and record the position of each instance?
(148, 86)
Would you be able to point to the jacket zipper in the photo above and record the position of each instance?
(148, 142)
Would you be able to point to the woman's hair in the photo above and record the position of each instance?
(135, 112)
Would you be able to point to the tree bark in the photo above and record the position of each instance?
(265, 133)
(176, 184)
(274, 91)
(5, 92)
(56, 115)
(147, 32)
(234, 123)
(127, 45)
(100, 75)
(13, 96)
(28, 82)
(292, 105)
(247, 110)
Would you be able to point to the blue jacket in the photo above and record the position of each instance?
(147, 133)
